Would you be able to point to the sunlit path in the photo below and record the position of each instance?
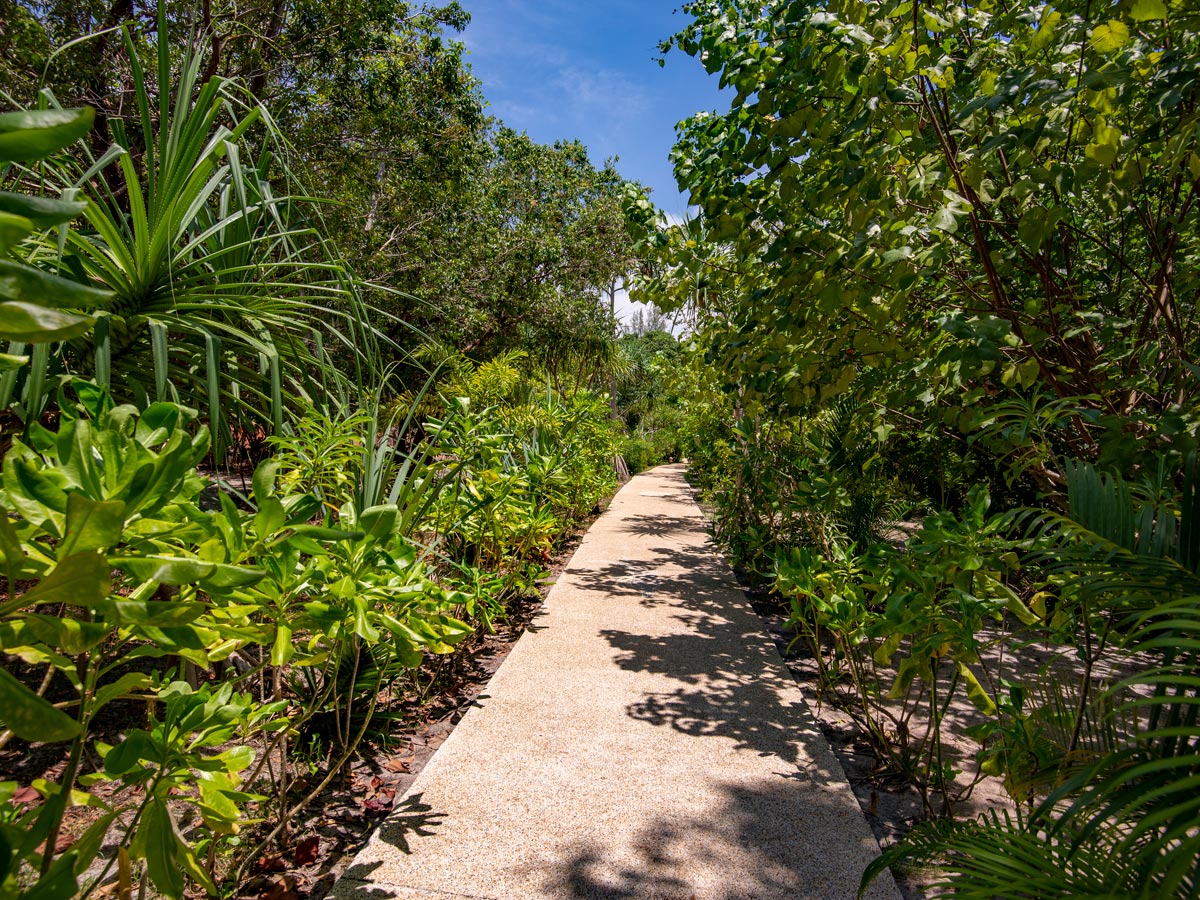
(643, 740)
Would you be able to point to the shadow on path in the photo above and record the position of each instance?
(780, 856)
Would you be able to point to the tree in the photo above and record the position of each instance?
(959, 206)
(976, 225)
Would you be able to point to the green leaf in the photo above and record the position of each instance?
(60, 883)
(322, 533)
(975, 692)
(263, 482)
(8, 362)
(37, 133)
(42, 212)
(29, 285)
(1111, 37)
(1106, 143)
(1148, 10)
(180, 570)
(378, 521)
(92, 524)
(910, 667)
(158, 614)
(79, 580)
(282, 649)
(68, 635)
(158, 844)
(122, 758)
(30, 717)
(12, 230)
(270, 516)
(38, 325)
(122, 687)
(88, 846)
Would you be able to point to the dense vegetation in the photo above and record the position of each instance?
(406, 383)
(945, 275)
(940, 392)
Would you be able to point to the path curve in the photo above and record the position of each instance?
(643, 741)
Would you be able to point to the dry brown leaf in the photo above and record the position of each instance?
(307, 851)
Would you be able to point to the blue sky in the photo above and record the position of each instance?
(562, 69)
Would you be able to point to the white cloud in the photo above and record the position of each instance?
(603, 91)
(626, 307)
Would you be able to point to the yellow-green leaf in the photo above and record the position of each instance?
(1147, 10)
(1110, 37)
(975, 692)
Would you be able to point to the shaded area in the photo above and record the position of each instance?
(647, 744)
(780, 855)
(412, 818)
(730, 680)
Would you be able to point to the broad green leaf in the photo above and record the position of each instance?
(60, 883)
(158, 614)
(79, 580)
(158, 844)
(1106, 143)
(31, 717)
(9, 362)
(219, 811)
(68, 635)
(180, 570)
(263, 483)
(122, 758)
(12, 230)
(38, 324)
(122, 687)
(12, 552)
(42, 212)
(975, 691)
(29, 285)
(92, 524)
(270, 516)
(224, 577)
(282, 649)
(910, 667)
(1045, 33)
(1110, 37)
(887, 649)
(88, 846)
(1148, 10)
(322, 533)
(378, 521)
(37, 133)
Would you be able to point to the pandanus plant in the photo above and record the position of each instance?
(226, 297)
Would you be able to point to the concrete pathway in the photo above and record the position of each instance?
(642, 740)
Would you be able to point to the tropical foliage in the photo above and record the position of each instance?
(176, 303)
(942, 285)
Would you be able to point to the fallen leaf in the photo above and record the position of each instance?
(396, 764)
(26, 796)
(61, 844)
(271, 864)
(381, 804)
(307, 851)
(281, 889)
